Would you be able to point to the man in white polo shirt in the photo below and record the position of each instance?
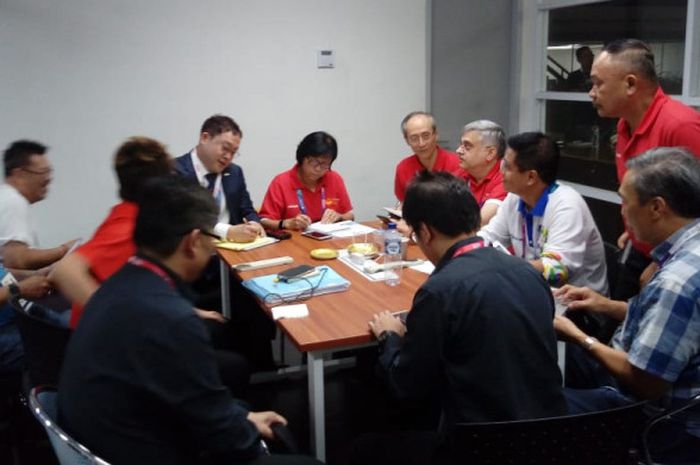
(544, 222)
(27, 178)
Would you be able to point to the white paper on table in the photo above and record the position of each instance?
(354, 230)
(426, 267)
(290, 311)
(330, 228)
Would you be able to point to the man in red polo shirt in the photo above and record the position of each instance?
(625, 85)
(482, 146)
(421, 135)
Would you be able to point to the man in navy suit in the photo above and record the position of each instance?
(210, 164)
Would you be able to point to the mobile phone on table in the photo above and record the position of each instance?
(296, 272)
(319, 236)
(385, 219)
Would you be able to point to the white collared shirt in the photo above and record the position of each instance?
(201, 171)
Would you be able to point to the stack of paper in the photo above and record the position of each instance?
(346, 228)
(273, 291)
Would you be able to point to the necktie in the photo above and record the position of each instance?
(211, 180)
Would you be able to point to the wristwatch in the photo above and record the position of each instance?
(589, 341)
(15, 293)
(383, 336)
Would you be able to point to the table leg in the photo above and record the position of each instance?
(225, 288)
(561, 357)
(317, 413)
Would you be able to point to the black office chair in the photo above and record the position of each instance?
(599, 438)
(44, 344)
(663, 416)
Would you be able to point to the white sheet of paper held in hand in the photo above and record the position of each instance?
(290, 311)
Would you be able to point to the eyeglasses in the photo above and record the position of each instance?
(319, 165)
(210, 234)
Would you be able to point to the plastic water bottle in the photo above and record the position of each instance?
(392, 254)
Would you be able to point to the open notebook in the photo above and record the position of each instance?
(258, 242)
(273, 291)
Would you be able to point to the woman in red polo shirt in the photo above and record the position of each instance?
(309, 191)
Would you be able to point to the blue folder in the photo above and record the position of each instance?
(273, 291)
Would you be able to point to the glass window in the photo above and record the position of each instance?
(575, 35)
(661, 23)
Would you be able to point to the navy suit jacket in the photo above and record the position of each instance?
(238, 200)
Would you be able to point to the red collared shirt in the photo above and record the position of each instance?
(666, 123)
(410, 166)
(490, 189)
(110, 247)
(282, 196)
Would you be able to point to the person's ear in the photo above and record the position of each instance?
(426, 233)
(189, 243)
(657, 208)
(204, 137)
(631, 82)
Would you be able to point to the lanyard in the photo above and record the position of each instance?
(302, 205)
(528, 236)
(468, 248)
(153, 268)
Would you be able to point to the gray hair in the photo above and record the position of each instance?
(491, 134)
(672, 173)
(405, 119)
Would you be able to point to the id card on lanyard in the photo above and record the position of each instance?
(302, 205)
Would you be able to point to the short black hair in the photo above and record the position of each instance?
(139, 159)
(219, 124)
(171, 207)
(672, 173)
(636, 54)
(442, 201)
(18, 153)
(580, 50)
(536, 151)
(317, 144)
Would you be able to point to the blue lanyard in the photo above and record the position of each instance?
(302, 205)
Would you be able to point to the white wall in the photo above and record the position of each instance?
(81, 76)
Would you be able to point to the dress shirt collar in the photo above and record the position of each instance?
(450, 252)
(541, 205)
(662, 252)
(180, 286)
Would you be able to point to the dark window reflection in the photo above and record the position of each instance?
(576, 31)
(587, 143)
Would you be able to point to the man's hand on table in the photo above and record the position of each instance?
(386, 321)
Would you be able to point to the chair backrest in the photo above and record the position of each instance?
(42, 402)
(598, 438)
(44, 345)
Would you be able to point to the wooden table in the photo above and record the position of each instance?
(336, 321)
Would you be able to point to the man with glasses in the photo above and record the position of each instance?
(482, 317)
(139, 382)
(481, 148)
(210, 164)
(420, 133)
(27, 178)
